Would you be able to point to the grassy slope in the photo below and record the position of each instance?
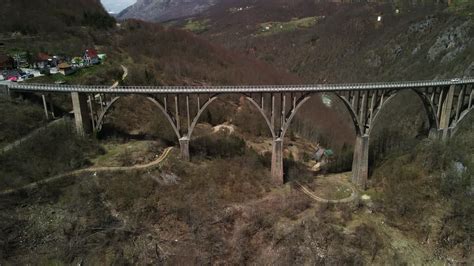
(209, 211)
(18, 119)
(56, 150)
(409, 182)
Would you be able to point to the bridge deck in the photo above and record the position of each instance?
(238, 89)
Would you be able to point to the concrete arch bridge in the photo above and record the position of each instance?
(446, 102)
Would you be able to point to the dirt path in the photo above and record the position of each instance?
(30, 135)
(93, 170)
(313, 196)
(124, 76)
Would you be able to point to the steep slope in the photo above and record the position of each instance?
(176, 57)
(163, 10)
(51, 15)
(334, 42)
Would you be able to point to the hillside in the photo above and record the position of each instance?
(334, 42)
(175, 57)
(36, 16)
(164, 10)
(125, 197)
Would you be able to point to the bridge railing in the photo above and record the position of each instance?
(238, 89)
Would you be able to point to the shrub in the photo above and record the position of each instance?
(56, 150)
(218, 146)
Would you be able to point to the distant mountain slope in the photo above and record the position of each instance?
(33, 16)
(116, 6)
(337, 42)
(176, 57)
(163, 10)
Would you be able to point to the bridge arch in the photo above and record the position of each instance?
(262, 113)
(216, 96)
(107, 109)
(462, 118)
(427, 104)
(199, 114)
(352, 113)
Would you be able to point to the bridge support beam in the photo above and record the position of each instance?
(81, 116)
(446, 114)
(360, 162)
(184, 147)
(277, 161)
(45, 106)
(5, 91)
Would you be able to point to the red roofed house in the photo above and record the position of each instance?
(42, 60)
(91, 57)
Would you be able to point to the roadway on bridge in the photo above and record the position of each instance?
(399, 85)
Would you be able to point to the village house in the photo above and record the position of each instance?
(91, 57)
(323, 155)
(42, 61)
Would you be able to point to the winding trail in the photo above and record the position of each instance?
(124, 76)
(93, 170)
(313, 196)
(30, 135)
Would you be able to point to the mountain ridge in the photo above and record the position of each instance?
(164, 10)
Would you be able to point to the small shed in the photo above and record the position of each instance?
(65, 69)
(102, 57)
(323, 155)
(319, 154)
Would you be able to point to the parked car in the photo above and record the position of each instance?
(12, 79)
(25, 75)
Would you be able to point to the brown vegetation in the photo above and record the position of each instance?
(52, 16)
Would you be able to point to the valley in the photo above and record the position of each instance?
(123, 193)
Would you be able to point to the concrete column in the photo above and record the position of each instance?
(277, 161)
(51, 108)
(4, 91)
(360, 162)
(81, 116)
(446, 113)
(45, 107)
(184, 147)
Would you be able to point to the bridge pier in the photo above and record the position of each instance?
(81, 115)
(184, 147)
(445, 118)
(5, 91)
(360, 162)
(277, 161)
(45, 106)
